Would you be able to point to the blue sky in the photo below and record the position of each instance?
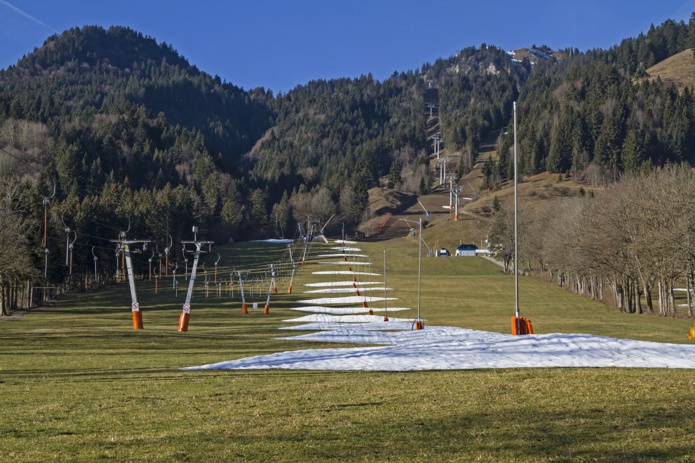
(278, 44)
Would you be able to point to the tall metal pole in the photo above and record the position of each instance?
(131, 278)
(71, 248)
(386, 302)
(95, 264)
(194, 270)
(135, 306)
(186, 312)
(516, 230)
(456, 205)
(419, 272)
(46, 202)
(67, 245)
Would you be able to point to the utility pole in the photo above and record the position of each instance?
(441, 162)
(456, 204)
(418, 323)
(244, 309)
(166, 254)
(436, 140)
(149, 269)
(386, 303)
(67, 238)
(185, 259)
(186, 313)
(95, 264)
(124, 247)
(516, 232)
(71, 247)
(46, 203)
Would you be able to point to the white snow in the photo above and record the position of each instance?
(342, 255)
(345, 290)
(345, 300)
(342, 262)
(347, 310)
(446, 348)
(328, 318)
(341, 283)
(346, 249)
(398, 347)
(344, 272)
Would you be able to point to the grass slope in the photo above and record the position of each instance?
(678, 69)
(79, 385)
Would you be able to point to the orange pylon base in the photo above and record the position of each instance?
(183, 321)
(137, 320)
(244, 310)
(371, 312)
(275, 290)
(691, 333)
(522, 325)
(289, 290)
(266, 309)
(386, 318)
(419, 325)
(364, 305)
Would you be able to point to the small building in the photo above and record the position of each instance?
(466, 250)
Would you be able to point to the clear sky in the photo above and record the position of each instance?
(279, 44)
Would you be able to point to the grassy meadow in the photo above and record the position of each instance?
(80, 385)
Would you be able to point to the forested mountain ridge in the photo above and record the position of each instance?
(115, 94)
(127, 129)
(477, 87)
(594, 116)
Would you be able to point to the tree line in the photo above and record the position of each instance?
(628, 246)
(595, 115)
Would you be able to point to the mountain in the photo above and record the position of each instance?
(135, 106)
(126, 128)
(594, 116)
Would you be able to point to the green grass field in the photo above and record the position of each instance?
(80, 385)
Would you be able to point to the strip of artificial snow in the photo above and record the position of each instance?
(345, 300)
(347, 310)
(342, 255)
(347, 249)
(344, 272)
(344, 242)
(328, 318)
(342, 262)
(345, 290)
(341, 283)
(446, 348)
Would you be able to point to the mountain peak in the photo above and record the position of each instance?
(535, 54)
(118, 47)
